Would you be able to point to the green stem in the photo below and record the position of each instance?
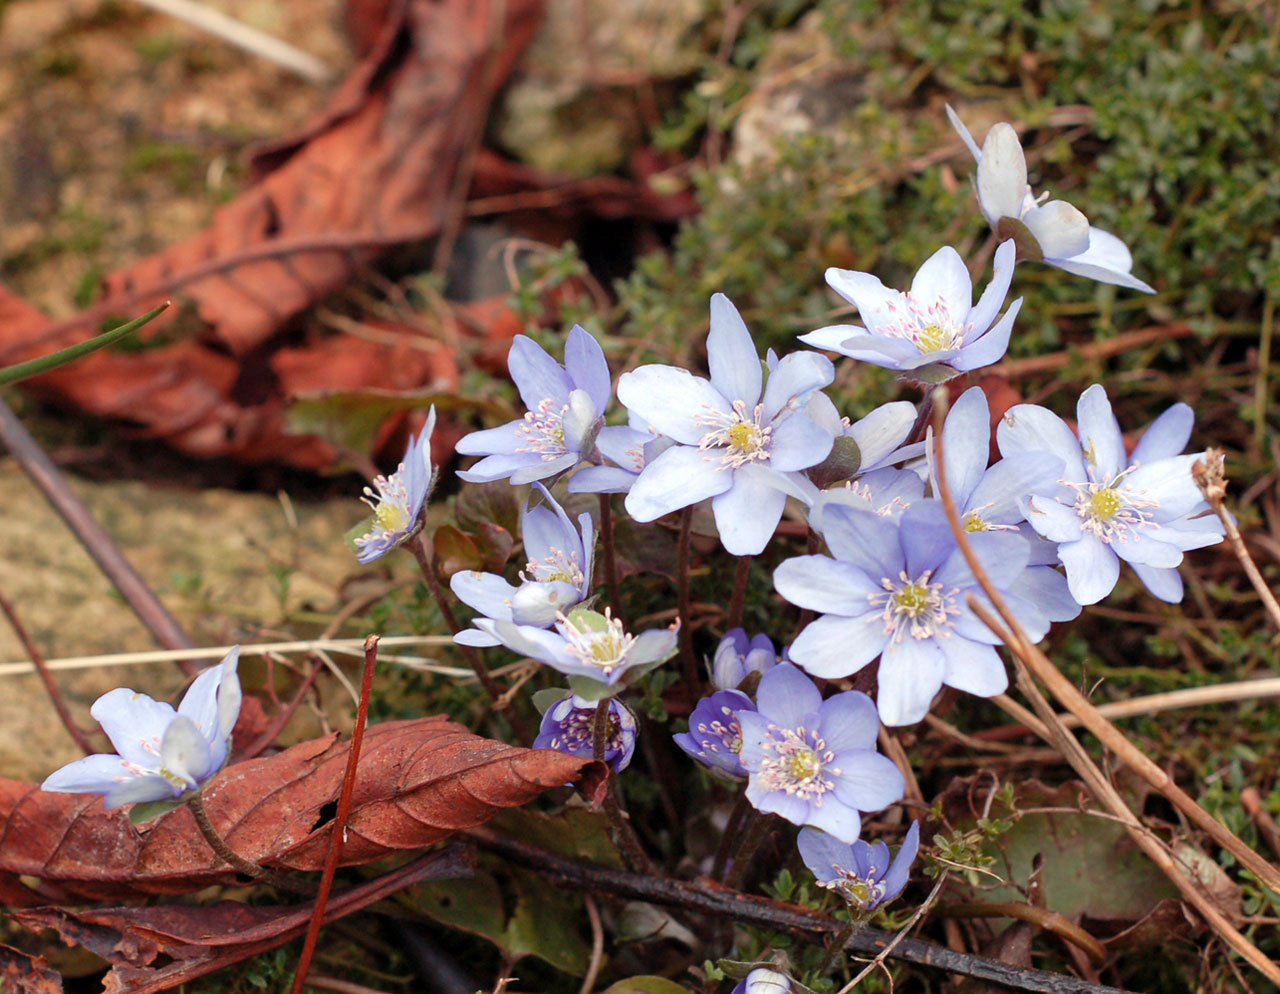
(834, 947)
(624, 836)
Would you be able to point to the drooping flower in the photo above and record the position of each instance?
(557, 573)
(714, 737)
(871, 443)
(861, 873)
(566, 409)
(397, 500)
(896, 590)
(1054, 232)
(569, 726)
(763, 981)
(737, 657)
(736, 436)
(1145, 509)
(932, 331)
(161, 753)
(813, 761)
(592, 649)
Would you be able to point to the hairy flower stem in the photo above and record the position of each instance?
(738, 599)
(233, 859)
(610, 558)
(921, 426)
(835, 946)
(752, 836)
(624, 836)
(741, 808)
(419, 550)
(688, 664)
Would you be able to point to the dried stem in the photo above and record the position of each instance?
(719, 902)
(339, 827)
(51, 688)
(610, 559)
(27, 453)
(1207, 473)
(1028, 659)
(738, 599)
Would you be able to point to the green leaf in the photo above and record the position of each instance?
(455, 551)
(645, 985)
(575, 832)
(34, 367)
(153, 809)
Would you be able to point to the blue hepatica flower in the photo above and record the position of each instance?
(932, 331)
(1145, 509)
(161, 753)
(813, 761)
(763, 981)
(566, 407)
(557, 574)
(737, 657)
(896, 590)
(734, 441)
(1054, 232)
(592, 649)
(397, 500)
(569, 726)
(861, 873)
(628, 449)
(714, 737)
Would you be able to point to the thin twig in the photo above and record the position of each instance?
(1027, 658)
(163, 627)
(688, 664)
(338, 830)
(892, 748)
(46, 677)
(597, 945)
(1207, 473)
(244, 37)
(741, 808)
(715, 901)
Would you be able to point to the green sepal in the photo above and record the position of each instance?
(544, 699)
(594, 690)
(359, 531)
(844, 460)
(34, 367)
(1024, 241)
(147, 810)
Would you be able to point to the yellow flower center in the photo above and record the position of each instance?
(912, 599)
(390, 516)
(1104, 504)
(973, 523)
(744, 437)
(804, 765)
(933, 338)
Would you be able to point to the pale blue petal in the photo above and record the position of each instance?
(1052, 520)
(487, 593)
(1146, 547)
(967, 138)
(863, 538)
(882, 431)
(731, 354)
(506, 439)
(1107, 260)
(97, 774)
(797, 443)
(1031, 428)
(975, 669)
(580, 421)
(786, 697)
(1047, 589)
(543, 469)
(1002, 174)
(200, 702)
(849, 721)
(909, 677)
(829, 814)
(679, 477)
(1100, 436)
(537, 376)
(872, 298)
(793, 382)
(1170, 482)
(832, 336)
(601, 480)
(134, 723)
(499, 467)
(992, 299)
(823, 854)
(1059, 229)
(655, 644)
(997, 497)
(476, 638)
(825, 585)
(966, 438)
(539, 604)
(899, 872)
(880, 350)
(749, 511)
(1092, 568)
(672, 400)
(926, 537)
(1166, 437)
(867, 780)
(944, 278)
(185, 753)
(991, 347)
(139, 790)
(585, 363)
(1165, 584)
(832, 647)
(624, 445)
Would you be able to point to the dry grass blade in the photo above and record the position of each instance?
(1029, 659)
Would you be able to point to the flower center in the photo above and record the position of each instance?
(796, 762)
(557, 565)
(721, 733)
(739, 438)
(606, 649)
(919, 607)
(576, 732)
(390, 502)
(929, 327)
(864, 892)
(390, 517)
(542, 431)
(973, 523)
(1111, 510)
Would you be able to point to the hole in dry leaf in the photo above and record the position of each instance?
(327, 812)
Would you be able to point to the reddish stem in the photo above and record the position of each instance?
(340, 818)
